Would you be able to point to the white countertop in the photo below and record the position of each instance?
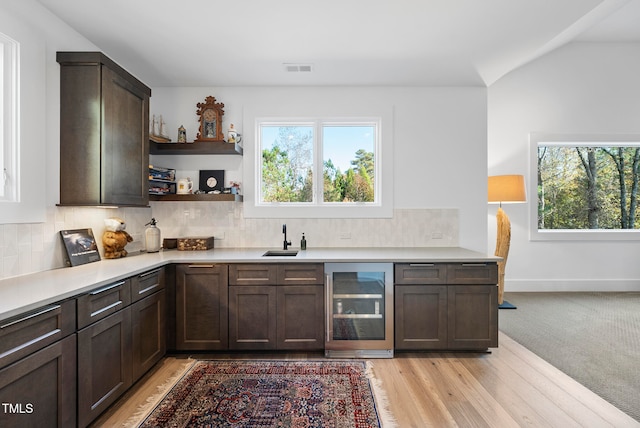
(24, 293)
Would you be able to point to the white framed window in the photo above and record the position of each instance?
(587, 187)
(320, 167)
(9, 96)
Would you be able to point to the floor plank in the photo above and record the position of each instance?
(509, 387)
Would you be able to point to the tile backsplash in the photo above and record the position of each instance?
(34, 247)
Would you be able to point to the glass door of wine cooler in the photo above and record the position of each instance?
(359, 304)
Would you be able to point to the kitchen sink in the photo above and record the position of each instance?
(276, 253)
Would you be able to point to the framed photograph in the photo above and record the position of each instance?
(211, 180)
(80, 246)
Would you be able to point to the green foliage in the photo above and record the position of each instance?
(287, 172)
(588, 187)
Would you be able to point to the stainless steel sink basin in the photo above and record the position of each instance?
(276, 253)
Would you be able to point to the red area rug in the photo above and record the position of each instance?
(232, 393)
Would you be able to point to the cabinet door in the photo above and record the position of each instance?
(473, 316)
(148, 326)
(252, 317)
(104, 135)
(300, 317)
(420, 317)
(202, 315)
(125, 141)
(40, 390)
(104, 364)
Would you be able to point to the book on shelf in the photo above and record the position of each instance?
(159, 173)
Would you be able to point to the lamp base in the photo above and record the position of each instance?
(506, 305)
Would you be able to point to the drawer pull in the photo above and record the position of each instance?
(422, 264)
(106, 308)
(201, 266)
(146, 274)
(29, 343)
(28, 317)
(107, 288)
(474, 264)
(147, 289)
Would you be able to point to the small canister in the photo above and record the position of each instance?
(152, 237)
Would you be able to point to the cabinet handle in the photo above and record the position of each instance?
(201, 266)
(328, 307)
(473, 264)
(107, 288)
(422, 264)
(28, 317)
(148, 288)
(146, 274)
(106, 308)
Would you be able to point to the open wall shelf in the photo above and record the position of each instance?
(195, 148)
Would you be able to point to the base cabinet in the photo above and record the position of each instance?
(201, 307)
(252, 317)
(148, 327)
(446, 306)
(40, 390)
(104, 364)
(276, 306)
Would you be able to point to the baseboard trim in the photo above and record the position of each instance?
(545, 285)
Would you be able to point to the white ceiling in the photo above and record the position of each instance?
(347, 42)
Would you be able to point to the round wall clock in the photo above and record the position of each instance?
(210, 117)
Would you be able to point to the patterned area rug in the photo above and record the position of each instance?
(247, 393)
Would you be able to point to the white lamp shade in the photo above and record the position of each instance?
(506, 189)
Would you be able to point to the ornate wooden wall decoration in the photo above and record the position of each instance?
(210, 117)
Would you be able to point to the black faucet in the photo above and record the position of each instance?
(286, 243)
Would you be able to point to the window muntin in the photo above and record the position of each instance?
(346, 154)
(587, 187)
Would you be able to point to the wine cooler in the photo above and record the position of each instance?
(359, 305)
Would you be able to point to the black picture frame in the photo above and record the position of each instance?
(205, 174)
(80, 246)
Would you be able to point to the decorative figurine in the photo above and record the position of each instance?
(182, 135)
(115, 238)
(232, 134)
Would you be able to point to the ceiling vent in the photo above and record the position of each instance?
(298, 68)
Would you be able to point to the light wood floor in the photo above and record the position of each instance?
(509, 387)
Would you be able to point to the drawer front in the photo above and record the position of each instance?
(472, 273)
(146, 284)
(253, 274)
(103, 301)
(301, 274)
(420, 273)
(30, 332)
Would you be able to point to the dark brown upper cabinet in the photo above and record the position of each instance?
(104, 133)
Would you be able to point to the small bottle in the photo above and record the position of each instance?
(152, 237)
(339, 306)
(303, 243)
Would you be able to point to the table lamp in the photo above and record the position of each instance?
(504, 189)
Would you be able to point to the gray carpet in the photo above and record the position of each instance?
(592, 337)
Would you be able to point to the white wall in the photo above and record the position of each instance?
(438, 139)
(440, 152)
(582, 88)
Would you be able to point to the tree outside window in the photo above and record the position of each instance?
(295, 153)
(588, 186)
